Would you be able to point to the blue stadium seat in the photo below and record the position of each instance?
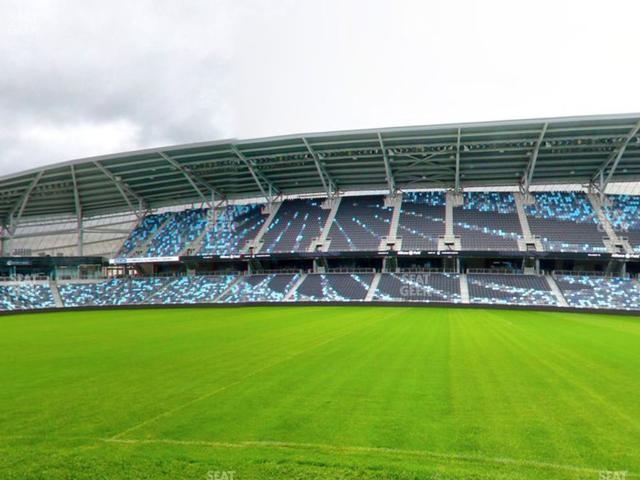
(295, 225)
(565, 222)
(333, 287)
(25, 296)
(419, 287)
(487, 221)
(360, 224)
(585, 291)
(422, 220)
(234, 227)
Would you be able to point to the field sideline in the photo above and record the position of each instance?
(319, 393)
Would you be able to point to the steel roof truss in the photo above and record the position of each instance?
(614, 159)
(124, 190)
(328, 183)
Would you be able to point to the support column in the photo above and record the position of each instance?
(529, 240)
(11, 230)
(80, 236)
(450, 241)
(391, 241)
(4, 241)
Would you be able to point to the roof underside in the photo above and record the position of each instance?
(575, 150)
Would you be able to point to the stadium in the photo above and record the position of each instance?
(445, 301)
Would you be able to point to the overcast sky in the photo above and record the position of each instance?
(80, 78)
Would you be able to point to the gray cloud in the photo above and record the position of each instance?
(122, 77)
(81, 78)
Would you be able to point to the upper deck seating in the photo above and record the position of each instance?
(139, 235)
(565, 222)
(25, 296)
(180, 229)
(261, 288)
(624, 216)
(509, 289)
(600, 292)
(419, 287)
(234, 227)
(295, 225)
(333, 287)
(422, 220)
(360, 224)
(487, 221)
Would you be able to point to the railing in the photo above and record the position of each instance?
(425, 270)
(276, 270)
(495, 271)
(573, 273)
(25, 278)
(350, 270)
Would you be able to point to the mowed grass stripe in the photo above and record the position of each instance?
(292, 397)
(534, 418)
(322, 341)
(319, 392)
(568, 415)
(143, 368)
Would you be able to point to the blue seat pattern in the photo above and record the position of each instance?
(295, 225)
(600, 292)
(422, 220)
(419, 287)
(565, 222)
(26, 296)
(487, 221)
(234, 227)
(509, 289)
(360, 224)
(333, 287)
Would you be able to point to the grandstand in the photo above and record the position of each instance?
(537, 213)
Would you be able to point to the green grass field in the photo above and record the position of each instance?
(319, 393)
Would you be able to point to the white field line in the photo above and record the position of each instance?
(460, 457)
(379, 450)
(225, 387)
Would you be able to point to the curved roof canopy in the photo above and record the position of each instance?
(576, 150)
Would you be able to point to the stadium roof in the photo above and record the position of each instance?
(575, 150)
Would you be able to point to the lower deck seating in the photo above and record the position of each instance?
(600, 292)
(261, 288)
(509, 289)
(117, 291)
(579, 291)
(192, 289)
(418, 287)
(318, 287)
(25, 296)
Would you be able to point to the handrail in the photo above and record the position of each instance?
(495, 271)
(580, 273)
(424, 270)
